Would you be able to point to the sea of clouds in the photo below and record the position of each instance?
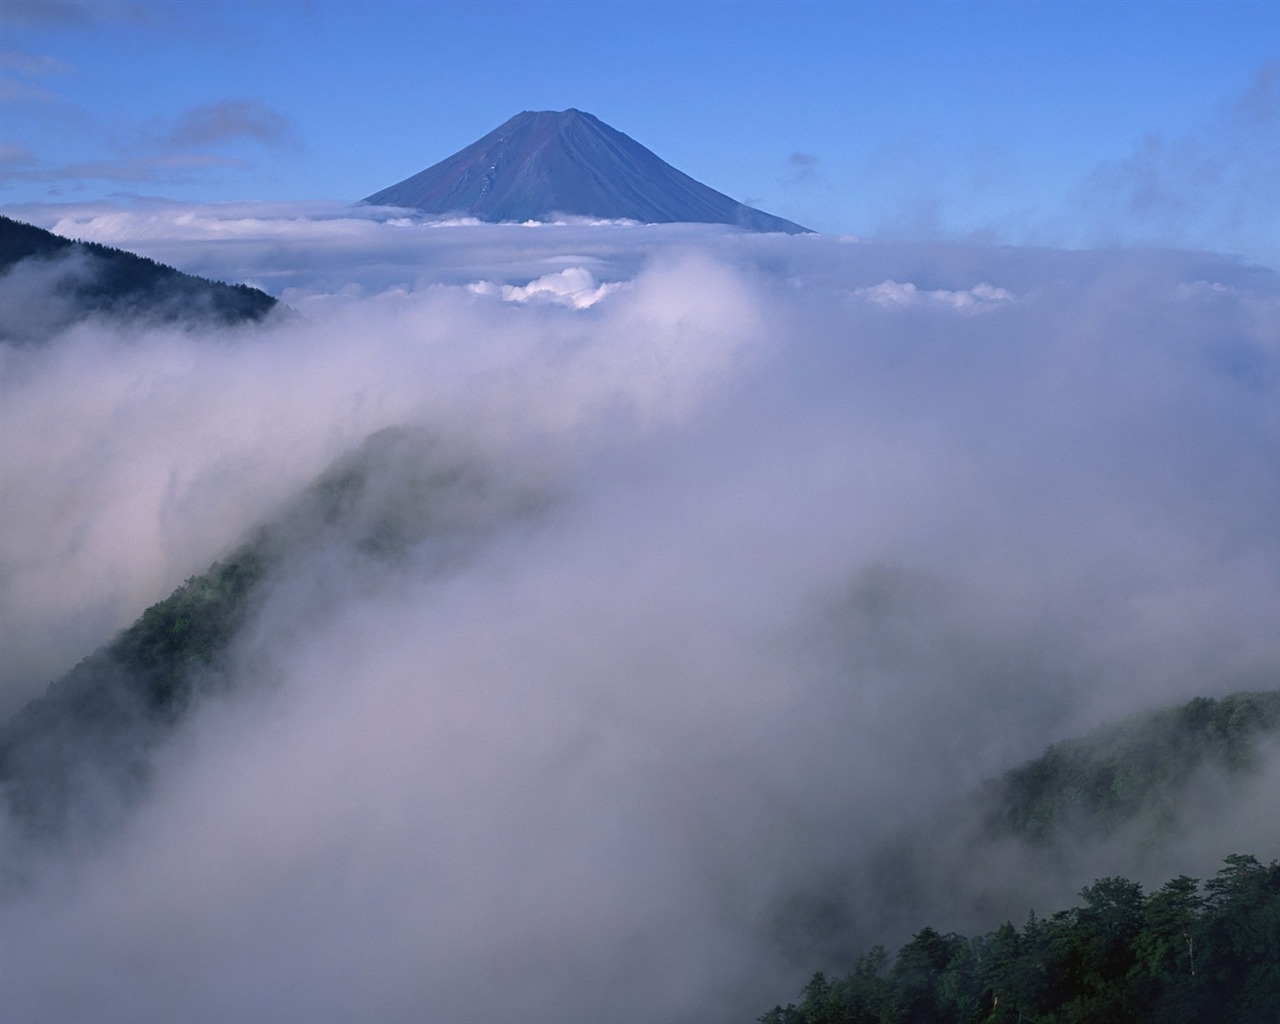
(788, 541)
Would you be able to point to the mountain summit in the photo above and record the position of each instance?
(543, 163)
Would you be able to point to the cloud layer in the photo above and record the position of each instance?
(825, 533)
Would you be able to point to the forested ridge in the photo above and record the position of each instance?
(106, 715)
(1139, 766)
(113, 282)
(93, 732)
(1184, 954)
(95, 728)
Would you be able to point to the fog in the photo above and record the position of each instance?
(767, 548)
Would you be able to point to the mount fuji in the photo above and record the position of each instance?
(544, 164)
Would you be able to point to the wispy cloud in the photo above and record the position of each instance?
(179, 151)
(1215, 182)
(802, 168)
(16, 161)
(20, 74)
(31, 65)
(76, 13)
(171, 168)
(14, 91)
(230, 121)
(981, 298)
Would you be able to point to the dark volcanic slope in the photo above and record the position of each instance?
(568, 162)
(47, 282)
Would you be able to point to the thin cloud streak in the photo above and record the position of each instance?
(1212, 186)
(164, 169)
(77, 13)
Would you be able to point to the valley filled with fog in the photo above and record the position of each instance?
(717, 561)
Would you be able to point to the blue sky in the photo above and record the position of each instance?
(1060, 124)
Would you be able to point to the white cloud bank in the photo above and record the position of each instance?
(573, 286)
(982, 297)
(816, 550)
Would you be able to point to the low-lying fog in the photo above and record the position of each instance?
(821, 534)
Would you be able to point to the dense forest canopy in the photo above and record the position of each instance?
(1184, 954)
(1138, 766)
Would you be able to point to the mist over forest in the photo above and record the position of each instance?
(635, 610)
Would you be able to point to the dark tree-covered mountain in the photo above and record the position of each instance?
(1184, 954)
(73, 759)
(1140, 796)
(545, 163)
(1140, 766)
(48, 282)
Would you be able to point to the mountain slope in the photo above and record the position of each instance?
(1144, 796)
(48, 282)
(1138, 767)
(543, 163)
(74, 760)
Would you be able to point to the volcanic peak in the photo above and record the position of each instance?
(543, 164)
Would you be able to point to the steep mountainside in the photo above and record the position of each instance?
(74, 758)
(48, 282)
(1138, 767)
(543, 163)
(1149, 795)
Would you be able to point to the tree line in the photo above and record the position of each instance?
(1184, 954)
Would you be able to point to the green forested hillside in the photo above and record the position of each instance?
(74, 756)
(1137, 767)
(1184, 954)
(98, 279)
(1126, 790)
(93, 731)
